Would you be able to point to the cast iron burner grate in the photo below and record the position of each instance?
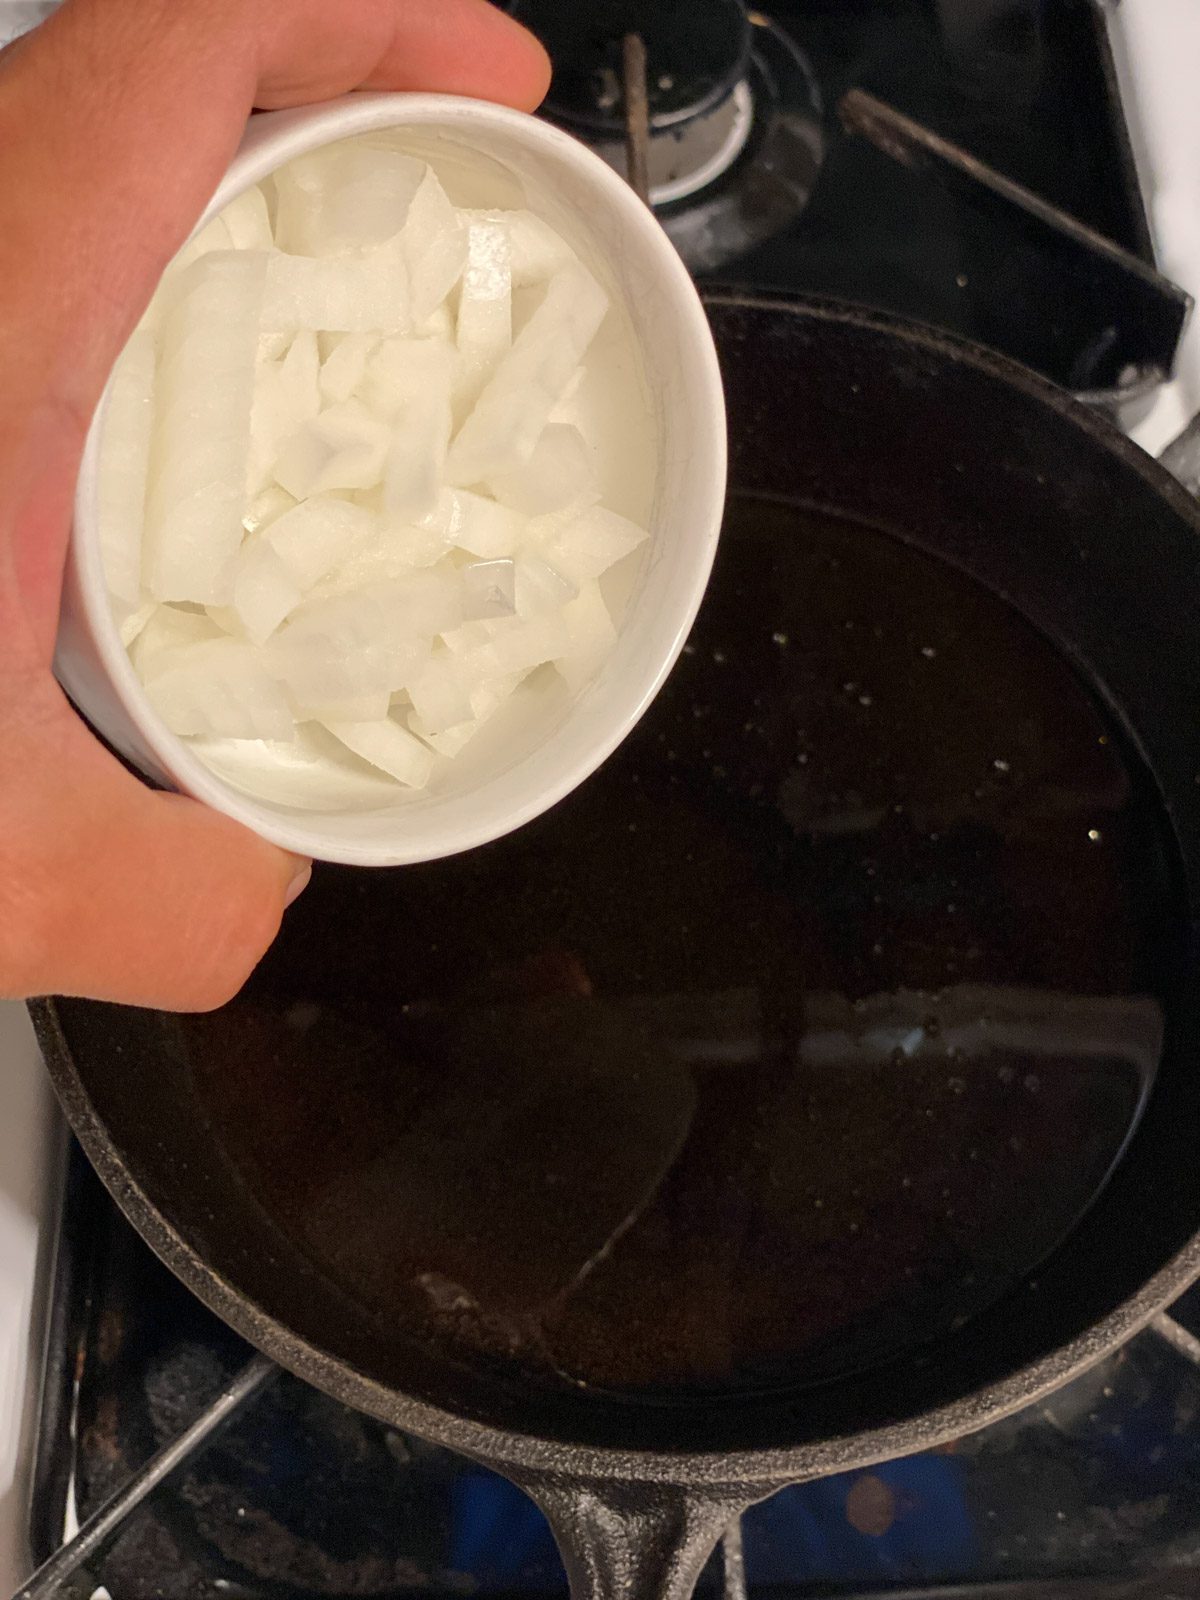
(1093, 1493)
(761, 188)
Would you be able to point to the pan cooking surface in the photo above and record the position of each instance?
(799, 1035)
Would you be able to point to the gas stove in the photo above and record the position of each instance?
(1091, 109)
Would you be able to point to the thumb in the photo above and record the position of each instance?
(111, 890)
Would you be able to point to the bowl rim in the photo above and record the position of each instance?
(270, 140)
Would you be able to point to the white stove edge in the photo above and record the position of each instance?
(1155, 43)
(31, 1145)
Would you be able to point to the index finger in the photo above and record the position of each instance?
(118, 117)
(117, 120)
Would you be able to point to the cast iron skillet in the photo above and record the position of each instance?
(989, 468)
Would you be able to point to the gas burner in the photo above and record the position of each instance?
(718, 209)
(688, 156)
(697, 53)
(735, 113)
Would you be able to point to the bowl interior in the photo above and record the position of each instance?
(652, 401)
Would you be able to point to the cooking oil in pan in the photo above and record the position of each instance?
(798, 1036)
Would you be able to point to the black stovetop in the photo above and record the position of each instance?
(1097, 1486)
(1025, 86)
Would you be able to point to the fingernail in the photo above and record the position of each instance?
(298, 885)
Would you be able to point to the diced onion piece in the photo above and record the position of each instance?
(489, 590)
(317, 535)
(133, 622)
(286, 397)
(214, 235)
(560, 472)
(219, 687)
(124, 464)
(507, 420)
(440, 694)
(536, 252)
(538, 587)
(434, 240)
(226, 619)
(486, 700)
(305, 402)
(165, 630)
(343, 368)
(248, 222)
(202, 433)
(592, 636)
(479, 526)
(344, 448)
(337, 295)
(439, 325)
(335, 650)
(266, 507)
(521, 645)
(389, 747)
(416, 375)
(345, 198)
(264, 591)
(484, 330)
(393, 552)
(592, 543)
(462, 640)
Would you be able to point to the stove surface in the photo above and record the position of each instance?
(792, 203)
(304, 1498)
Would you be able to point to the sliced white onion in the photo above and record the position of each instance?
(266, 507)
(344, 367)
(345, 197)
(128, 428)
(592, 635)
(435, 247)
(480, 526)
(519, 645)
(591, 543)
(264, 591)
(201, 441)
(538, 587)
(286, 397)
(168, 628)
(393, 552)
(317, 535)
(536, 252)
(560, 472)
(367, 294)
(484, 328)
(219, 687)
(486, 699)
(247, 220)
(388, 746)
(134, 621)
(506, 423)
(489, 590)
(343, 448)
(341, 570)
(420, 375)
(440, 694)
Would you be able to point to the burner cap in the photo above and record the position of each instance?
(696, 53)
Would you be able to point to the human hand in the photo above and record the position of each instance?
(117, 120)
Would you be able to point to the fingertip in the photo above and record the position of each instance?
(301, 878)
(534, 83)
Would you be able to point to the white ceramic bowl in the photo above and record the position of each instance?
(665, 464)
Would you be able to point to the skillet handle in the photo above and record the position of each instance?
(633, 1541)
